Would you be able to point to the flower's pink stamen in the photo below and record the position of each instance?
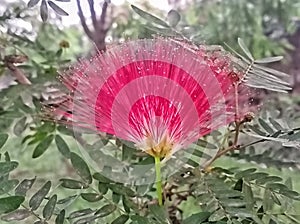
(145, 109)
(152, 91)
(136, 70)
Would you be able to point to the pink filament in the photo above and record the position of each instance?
(151, 87)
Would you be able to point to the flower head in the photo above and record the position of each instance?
(159, 93)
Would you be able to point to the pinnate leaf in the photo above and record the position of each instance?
(173, 17)
(73, 184)
(105, 210)
(32, 3)
(121, 219)
(81, 168)
(149, 17)
(62, 146)
(6, 167)
(268, 60)
(49, 207)
(7, 186)
(80, 213)
(20, 126)
(42, 146)
(16, 215)
(197, 218)
(36, 200)
(57, 9)
(245, 49)
(101, 178)
(3, 139)
(60, 217)
(24, 186)
(245, 173)
(11, 203)
(44, 11)
(91, 197)
(159, 213)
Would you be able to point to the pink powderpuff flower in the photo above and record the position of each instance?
(161, 94)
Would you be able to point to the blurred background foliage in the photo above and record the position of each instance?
(251, 185)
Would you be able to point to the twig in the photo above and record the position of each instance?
(219, 153)
(229, 149)
(9, 62)
(32, 212)
(83, 22)
(93, 13)
(100, 28)
(237, 122)
(103, 14)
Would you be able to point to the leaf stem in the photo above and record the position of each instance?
(222, 152)
(158, 180)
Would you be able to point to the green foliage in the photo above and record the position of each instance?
(259, 76)
(255, 74)
(44, 8)
(280, 143)
(263, 25)
(82, 192)
(62, 146)
(3, 139)
(81, 168)
(10, 203)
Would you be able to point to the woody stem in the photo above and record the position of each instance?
(158, 180)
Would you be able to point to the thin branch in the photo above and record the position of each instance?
(32, 212)
(9, 62)
(229, 149)
(235, 147)
(83, 22)
(93, 13)
(103, 15)
(218, 155)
